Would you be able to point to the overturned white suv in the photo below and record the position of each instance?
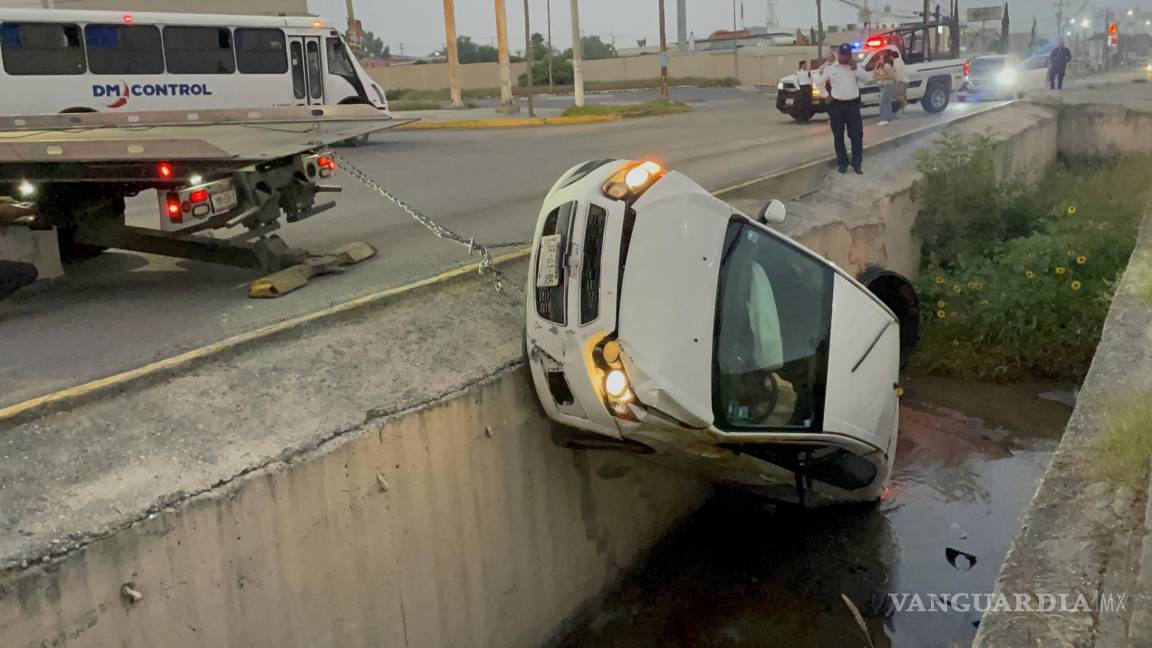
(662, 320)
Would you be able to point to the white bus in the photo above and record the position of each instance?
(56, 61)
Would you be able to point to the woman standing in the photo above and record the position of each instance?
(885, 78)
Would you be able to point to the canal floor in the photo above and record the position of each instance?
(742, 572)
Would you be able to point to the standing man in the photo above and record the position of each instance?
(804, 99)
(1057, 65)
(900, 72)
(843, 79)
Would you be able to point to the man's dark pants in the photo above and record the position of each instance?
(804, 103)
(1056, 78)
(846, 116)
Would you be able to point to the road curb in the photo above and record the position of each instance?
(517, 122)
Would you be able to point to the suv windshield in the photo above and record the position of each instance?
(770, 346)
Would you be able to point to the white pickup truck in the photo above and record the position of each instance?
(932, 77)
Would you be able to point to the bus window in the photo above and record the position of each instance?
(315, 76)
(41, 48)
(298, 70)
(261, 51)
(199, 50)
(338, 62)
(124, 49)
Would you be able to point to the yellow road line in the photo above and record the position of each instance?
(177, 361)
(517, 122)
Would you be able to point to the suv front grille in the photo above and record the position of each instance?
(590, 274)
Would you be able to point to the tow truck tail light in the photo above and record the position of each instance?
(175, 213)
(967, 68)
(326, 165)
(164, 170)
(198, 196)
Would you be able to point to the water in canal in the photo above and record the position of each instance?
(743, 573)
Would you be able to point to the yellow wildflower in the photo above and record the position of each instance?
(957, 289)
(1072, 210)
(940, 314)
(941, 304)
(983, 302)
(939, 279)
(1030, 274)
(1076, 285)
(1081, 260)
(1061, 270)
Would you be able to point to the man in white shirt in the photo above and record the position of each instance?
(843, 80)
(900, 71)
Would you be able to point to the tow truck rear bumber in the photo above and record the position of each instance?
(662, 320)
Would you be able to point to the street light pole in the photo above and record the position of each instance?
(450, 51)
(577, 56)
(820, 28)
(528, 58)
(663, 56)
(549, 45)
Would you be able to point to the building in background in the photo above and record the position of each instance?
(244, 7)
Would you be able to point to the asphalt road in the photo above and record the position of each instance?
(122, 310)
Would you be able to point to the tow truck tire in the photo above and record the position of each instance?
(73, 252)
(936, 97)
(897, 293)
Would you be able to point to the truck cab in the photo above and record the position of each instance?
(933, 73)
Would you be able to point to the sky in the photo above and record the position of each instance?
(419, 24)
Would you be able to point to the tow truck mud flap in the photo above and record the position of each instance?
(298, 276)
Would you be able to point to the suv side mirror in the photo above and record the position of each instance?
(772, 213)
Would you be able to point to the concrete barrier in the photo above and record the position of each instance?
(329, 505)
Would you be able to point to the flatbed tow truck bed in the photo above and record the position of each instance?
(235, 172)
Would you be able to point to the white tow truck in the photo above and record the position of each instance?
(663, 321)
(934, 74)
(226, 179)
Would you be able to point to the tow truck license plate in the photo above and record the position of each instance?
(224, 200)
(548, 272)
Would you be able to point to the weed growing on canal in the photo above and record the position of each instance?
(1127, 440)
(1019, 274)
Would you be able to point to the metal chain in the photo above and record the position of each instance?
(483, 250)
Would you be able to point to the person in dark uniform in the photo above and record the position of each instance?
(1058, 62)
(843, 80)
(804, 99)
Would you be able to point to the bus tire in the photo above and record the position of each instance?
(936, 97)
(897, 293)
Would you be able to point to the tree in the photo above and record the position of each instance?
(468, 51)
(594, 48)
(1004, 36)
(539, 47)
(372, 46)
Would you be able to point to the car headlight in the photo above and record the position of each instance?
(780, 86)
(612, 380)
(1006, 77)
(616, 383)
(632, 180)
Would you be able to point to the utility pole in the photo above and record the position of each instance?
(528, 58)
(506, 105)
(450, 51)
(820, 29)
(735, 46)
(577, 56)
(1060, 27)
(663, 55)
(927, 8)
(682, 25)
(549, 45)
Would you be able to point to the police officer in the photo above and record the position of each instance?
(843, 80)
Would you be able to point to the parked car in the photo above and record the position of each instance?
(1002, 77)
(663, 321)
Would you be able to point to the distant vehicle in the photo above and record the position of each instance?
(1002, 76)
(661, 320)
(62, 61)
(933, 75)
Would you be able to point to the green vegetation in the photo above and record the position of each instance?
(1018, 275)
(656, 107)
(591, 86)
(1126, 440)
